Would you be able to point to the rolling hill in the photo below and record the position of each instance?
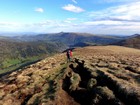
(133, 41)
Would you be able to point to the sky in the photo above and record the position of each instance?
(114, 17)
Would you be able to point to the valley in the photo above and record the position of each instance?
(14, 54)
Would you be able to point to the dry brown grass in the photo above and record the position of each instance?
(112, 72)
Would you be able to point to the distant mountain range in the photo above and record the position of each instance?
(71, 39)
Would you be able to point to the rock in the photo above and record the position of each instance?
(2, 93)
(74, 80)
(9, 99)
(13, 74)
(94, 74)
(104, 92)
(113, 66)
(22, 79)
(10, 88)
(102, 64)
(91, 83)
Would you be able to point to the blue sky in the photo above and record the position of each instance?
(50, 16)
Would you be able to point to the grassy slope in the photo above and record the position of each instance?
(16, 54)
(15, 64)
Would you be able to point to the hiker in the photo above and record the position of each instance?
(69, 55)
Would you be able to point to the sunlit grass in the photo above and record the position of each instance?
(13, 64)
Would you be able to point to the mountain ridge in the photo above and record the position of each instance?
(71, 38)
(132, 41)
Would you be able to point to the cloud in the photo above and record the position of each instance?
(39, 10)
(123, 19)
(11, 27)
(103, 22)
(128, 12)
(71, 19)
(74, 1)
(71, 25)
(119, 20)
(73, 8)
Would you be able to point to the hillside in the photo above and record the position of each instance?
(14, 53)
(99, 75)
(133, 42)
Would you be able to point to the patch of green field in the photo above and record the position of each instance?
(14, 64)
(10, 62)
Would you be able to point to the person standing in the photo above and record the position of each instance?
(69, 55)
